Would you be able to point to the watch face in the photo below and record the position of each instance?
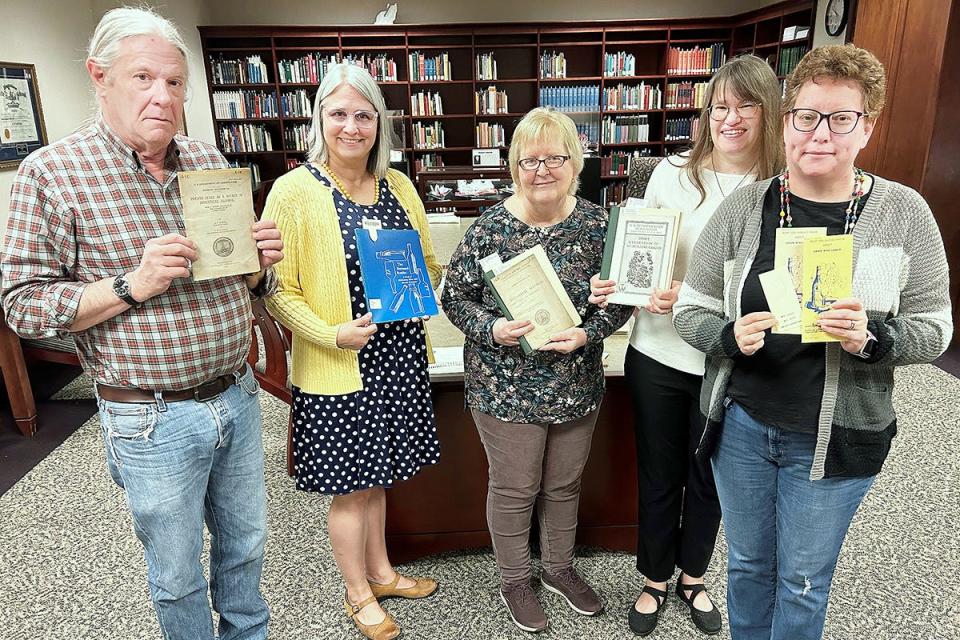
(121, 287)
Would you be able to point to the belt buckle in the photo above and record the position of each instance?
(199, 394)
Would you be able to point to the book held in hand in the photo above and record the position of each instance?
(827, 277)
(395, 277)
(218, 216)
(639, 252)
(527, 287)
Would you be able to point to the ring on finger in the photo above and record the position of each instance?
(853, 325)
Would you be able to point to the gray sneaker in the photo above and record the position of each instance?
(524, 607)
(578, 594)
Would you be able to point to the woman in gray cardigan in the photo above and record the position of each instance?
(798, 431)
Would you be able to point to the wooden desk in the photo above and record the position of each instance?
(443, 508)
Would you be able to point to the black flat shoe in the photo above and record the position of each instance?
(707, 621)
(643, 624)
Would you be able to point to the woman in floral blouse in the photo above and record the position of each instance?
(535, 413)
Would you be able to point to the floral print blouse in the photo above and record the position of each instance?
(543, 387)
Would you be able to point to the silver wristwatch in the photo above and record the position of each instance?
(868, 348)
(121, 288)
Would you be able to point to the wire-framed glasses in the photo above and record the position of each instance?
(745, 110)
(806, 120)
(362, 119)
(550, 162)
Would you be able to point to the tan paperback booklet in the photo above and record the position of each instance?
(218, 216)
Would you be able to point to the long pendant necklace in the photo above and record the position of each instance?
(744, 177)
(851, 215)
(346, 194)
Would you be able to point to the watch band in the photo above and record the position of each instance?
(869, 346)
(121, 288)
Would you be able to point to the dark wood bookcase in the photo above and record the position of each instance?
(517, 49)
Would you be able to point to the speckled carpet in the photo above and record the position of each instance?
(71, 568)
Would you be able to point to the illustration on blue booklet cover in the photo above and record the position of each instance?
(395, 278)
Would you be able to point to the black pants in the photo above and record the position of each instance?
(679, 513)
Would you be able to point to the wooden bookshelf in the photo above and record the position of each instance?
(517, 49)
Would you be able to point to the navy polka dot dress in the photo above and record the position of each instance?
(387, 431)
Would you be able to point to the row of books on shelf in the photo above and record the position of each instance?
(296, 104)
(790, 58)
(613, 193)
(553, 64)
(426, 67)
(619, 163)
(486, 67)
(310, 68)
(428, 160)
(621, 129)
(244, 104)
(244, 138)
(246, 70)
(636, 97)
(686, 95)
(295, 137)
(619, 64)
(490, 135)
(491, 101)
(575, 98)
(426, 103)
(696, 60)
(588, 131)
(681, 128)
(428, 136)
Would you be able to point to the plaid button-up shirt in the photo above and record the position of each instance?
(81, 210)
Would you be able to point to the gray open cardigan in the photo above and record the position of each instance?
(900, 274)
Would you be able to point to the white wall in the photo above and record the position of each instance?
(53, 35)
(433, 11)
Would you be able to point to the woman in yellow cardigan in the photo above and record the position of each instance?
(362, 410)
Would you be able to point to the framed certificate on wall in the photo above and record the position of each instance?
(22, 129)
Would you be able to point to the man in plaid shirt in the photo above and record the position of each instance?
(95, 248)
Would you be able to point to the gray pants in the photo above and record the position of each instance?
(533, 464)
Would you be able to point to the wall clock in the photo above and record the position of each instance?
(835, 18)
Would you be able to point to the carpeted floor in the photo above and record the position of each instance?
(70, 567)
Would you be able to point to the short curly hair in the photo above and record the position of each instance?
(841, 62)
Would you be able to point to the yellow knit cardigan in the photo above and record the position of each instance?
(313, 297)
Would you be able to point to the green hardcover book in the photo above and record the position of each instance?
(488, 278)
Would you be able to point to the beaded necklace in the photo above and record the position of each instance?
(850, 215)
(346, 194)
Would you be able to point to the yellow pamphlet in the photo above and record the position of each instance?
(788, 256)
(827, 277)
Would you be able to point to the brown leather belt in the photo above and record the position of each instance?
(201, 393)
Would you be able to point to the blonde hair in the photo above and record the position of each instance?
(542, 124)
(841, 62)
(748, 78)
(360, 80)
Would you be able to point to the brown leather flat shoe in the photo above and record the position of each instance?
(386, 629)
(424, 587)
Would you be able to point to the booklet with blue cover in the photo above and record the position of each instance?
(395, 277)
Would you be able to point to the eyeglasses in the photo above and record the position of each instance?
(807, 120)
(550, 162)
(362, 119)
(747, 110)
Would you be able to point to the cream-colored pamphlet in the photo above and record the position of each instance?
(778, 289)
(788, 256)
(530, 290)
(218, 216)
(640, 252)
(827, 277)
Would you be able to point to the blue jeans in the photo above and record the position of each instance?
(182, 464)
(784, 531)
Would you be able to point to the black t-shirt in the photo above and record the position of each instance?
(782, 383)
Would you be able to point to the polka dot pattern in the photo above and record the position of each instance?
(387, 431)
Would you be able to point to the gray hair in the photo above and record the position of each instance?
(360, 79)
(126, 22)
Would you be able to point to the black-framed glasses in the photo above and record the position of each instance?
(841, 122)
(747, 110)
(550, 162)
